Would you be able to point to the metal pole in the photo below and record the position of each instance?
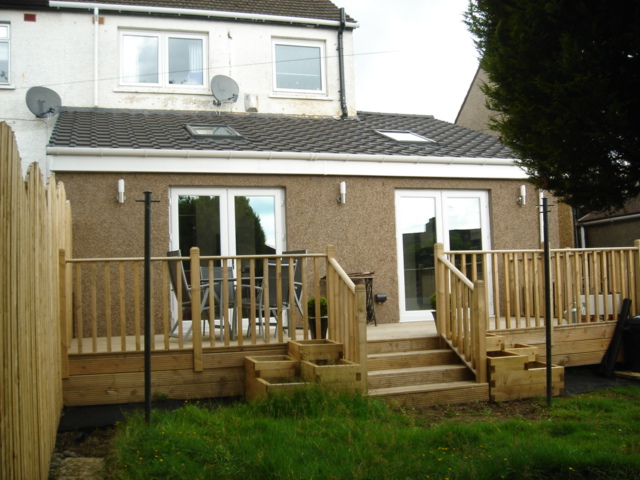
(147, 303)
(547, 294)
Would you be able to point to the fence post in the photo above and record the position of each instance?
(64, 334)
(479, 330)
(441, 302)
(196, 325)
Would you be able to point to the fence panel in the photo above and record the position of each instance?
(36, 226)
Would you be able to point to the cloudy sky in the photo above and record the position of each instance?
(412, 56)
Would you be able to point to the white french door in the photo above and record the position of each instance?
(227, 221)
(457, 218)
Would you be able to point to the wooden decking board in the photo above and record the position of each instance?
(390, 346)
(418, 375)
(387, 361)
(460, 392)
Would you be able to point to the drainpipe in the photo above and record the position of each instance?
(343, 95)
(96, 24)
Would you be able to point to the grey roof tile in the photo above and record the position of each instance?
(104, 128)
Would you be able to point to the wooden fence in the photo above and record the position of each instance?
(35, 223)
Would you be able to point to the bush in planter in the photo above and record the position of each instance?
(311, 310)
(432, 301)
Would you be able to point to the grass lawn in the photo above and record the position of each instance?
(317, 435)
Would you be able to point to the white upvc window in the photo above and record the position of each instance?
(163, 59)
(299, 66)
(5, 53)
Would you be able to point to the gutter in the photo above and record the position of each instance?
(305, 156)
(608, 220)
(199, 13)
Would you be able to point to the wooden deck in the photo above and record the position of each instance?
(117, 377)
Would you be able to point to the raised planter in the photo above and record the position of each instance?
(269, 374)
(513, 374)
(319, 349)
(341, 374)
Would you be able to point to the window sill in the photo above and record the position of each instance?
(163, 90)
(301, 96)
(7, 87)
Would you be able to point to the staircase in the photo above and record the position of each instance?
(419, 372)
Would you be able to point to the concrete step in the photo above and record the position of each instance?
(420, 396)
(411, 359)
(403, 377)
(403, 344)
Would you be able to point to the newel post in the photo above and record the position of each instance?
(479, 329)
(361, 335)
(62, 313)
(441, 300)
(196, 326)
(332, 302)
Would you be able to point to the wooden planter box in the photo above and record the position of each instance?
(494, 342)
(319, 349)
(269, 374)
(341, 374)
(513, 375)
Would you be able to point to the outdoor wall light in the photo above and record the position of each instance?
(380, 297)
(120, 196)
(342, 197)
(522, 199)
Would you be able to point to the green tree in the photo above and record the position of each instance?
(565, 86)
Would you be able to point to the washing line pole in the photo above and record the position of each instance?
(147, 302)
(547, 294)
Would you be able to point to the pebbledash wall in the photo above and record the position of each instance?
(363, 230)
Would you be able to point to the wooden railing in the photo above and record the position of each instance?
(480, 291)
(461, 314)
(108, 302)
(35, 222)
(587, 285)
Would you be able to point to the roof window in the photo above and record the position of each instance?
(212, 131)
(405, 136)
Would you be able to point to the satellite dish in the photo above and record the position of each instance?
(43, 101)
(224, 89)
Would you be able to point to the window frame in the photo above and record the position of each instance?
(163, 37)
(7, 40)
(296, 42)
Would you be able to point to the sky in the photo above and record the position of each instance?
(412, 56)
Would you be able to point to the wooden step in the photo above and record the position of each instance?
(418, 376)
(419, 358)
(403, 344)
(420, 396)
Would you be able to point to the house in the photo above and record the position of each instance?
(475, 114)
(619, 228)
(233, 111)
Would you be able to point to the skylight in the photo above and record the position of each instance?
(405, 136)
(212, 131)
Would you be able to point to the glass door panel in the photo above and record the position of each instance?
(457, 219)
(417, 233)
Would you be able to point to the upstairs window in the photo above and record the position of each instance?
(298, 66)
(5, 32)
(163, 59)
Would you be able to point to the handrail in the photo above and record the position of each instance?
(456, 272)
(462, 321)
(343, 275)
